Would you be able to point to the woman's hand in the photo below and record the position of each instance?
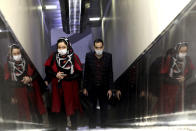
(26, 80)
(60, 75)
(181, 79)
(46, 83)
(14, 100)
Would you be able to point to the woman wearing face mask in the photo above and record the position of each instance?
(176, 69)
(64, 69)
(23, 83)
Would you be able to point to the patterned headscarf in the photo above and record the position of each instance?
(177, 65)
(66, 62)
(179, 45)
(17, 68)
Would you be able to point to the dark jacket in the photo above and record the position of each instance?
(90, 67)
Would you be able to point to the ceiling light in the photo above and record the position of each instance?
(50, 7)
(40, 7)
(94, 19)
(3, 30)
(87, 5)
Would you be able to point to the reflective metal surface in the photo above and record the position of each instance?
(142, 87)
(23, 113)
(148, 95)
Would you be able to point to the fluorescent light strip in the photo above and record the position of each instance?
(50, 7)
(31, 130)
(74, 16)
(94, 19)
(3, 30)
(167, 115)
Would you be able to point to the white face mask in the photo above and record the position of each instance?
(17, 57)
(182, 55)
(99, 52)
(62, 51)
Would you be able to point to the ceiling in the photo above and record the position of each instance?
(92, 8)
(53, 16)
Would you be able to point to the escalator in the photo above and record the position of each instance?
(142, 87)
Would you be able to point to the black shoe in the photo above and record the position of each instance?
(92, 126)
(74, 128)
(103, 126)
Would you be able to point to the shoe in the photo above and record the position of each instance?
(73, 128)
(92, 126)
(68, 123)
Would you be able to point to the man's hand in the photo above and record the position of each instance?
(109, 94)
(46, 83)
(85, 92)
(118, 94)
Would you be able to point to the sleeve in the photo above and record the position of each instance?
(191, 66)
(49, 72)
(164, 72)
(47, 78)
(48, 69)
(7, 73)
(34, 76)
(1, 74)
(49, 60)
(165, 65)
(110, 73)
(189, 70)
(77, 75)
(7, 76)
(8, 83)
(31, 72)
(86, 73)
(78, 65)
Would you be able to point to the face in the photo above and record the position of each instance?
(62, 46)
(98, 46)
(183, 49)
(16, 52)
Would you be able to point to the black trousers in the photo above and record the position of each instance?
(98, 93)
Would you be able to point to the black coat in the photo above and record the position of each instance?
(90, 73)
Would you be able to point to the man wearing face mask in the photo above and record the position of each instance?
(98, 79)
(176, 69)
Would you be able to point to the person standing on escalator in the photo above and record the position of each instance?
(175, 70)
(64, 69)
(98, 80)
(23, 83)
